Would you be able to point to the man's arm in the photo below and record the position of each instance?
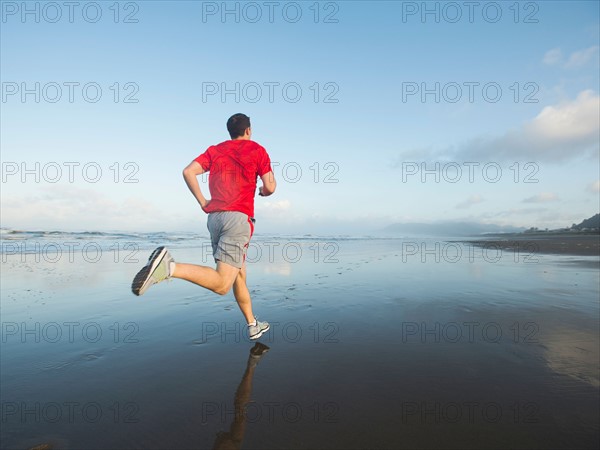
(269, 184)
(190, 175)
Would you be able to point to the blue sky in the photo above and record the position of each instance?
(527, 144)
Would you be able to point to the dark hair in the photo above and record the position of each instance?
(237, 124)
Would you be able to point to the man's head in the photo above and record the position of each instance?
(238, 126)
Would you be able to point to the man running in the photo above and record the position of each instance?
(233, 167)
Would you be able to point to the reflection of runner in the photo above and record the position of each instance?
(233, 438)
(234, 167)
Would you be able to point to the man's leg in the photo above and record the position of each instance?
(218, 281)
(240, 290)
(242, 295)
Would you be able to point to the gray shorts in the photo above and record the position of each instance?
(230, 233)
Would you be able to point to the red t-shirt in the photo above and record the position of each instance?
(234, 167)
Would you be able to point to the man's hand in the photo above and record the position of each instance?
(204, 205)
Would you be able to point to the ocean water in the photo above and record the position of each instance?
(374, 343)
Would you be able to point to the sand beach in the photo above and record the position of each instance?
(378, 343)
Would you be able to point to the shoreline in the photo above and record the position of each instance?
(579, 244)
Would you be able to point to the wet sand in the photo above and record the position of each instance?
(371, 346)
(556, 243)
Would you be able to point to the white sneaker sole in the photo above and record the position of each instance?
(140, 282)
(260, 333)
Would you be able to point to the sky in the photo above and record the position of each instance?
(373, 113)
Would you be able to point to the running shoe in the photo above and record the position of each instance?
(256, 331)
(156, 270)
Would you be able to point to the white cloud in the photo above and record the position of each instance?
(277, 215)
(472, 200)
(569, 121)
(70, 208)
(543, 197)
(274, 207)
(576, 59)
(559, 132)
(594, 187)
(535, 216)
(582, 57)
(553, 56)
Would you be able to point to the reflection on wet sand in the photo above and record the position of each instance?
(232, 439)
(574, 353)
(435, 354)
